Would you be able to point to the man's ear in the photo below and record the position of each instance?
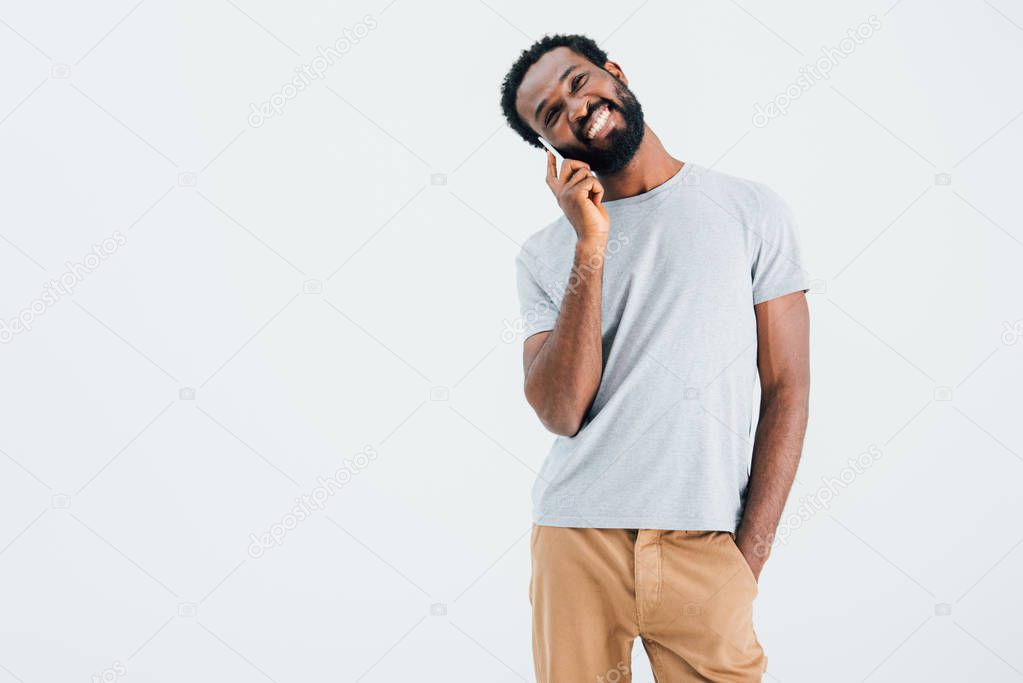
(616, 71)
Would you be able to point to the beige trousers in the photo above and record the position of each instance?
(688, 595)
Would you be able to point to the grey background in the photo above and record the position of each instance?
(340, 278)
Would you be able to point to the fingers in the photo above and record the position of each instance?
(596, 191)
(589, 186)
(575, 176)
(580, 175)
(569, 166)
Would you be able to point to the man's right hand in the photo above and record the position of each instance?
(579, 195)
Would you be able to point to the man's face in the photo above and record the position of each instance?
(584, 111)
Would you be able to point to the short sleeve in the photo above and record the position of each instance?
(538, 312)
(777, 267)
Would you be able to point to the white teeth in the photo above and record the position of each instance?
(598, 124)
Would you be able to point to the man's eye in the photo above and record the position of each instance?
(552, 114)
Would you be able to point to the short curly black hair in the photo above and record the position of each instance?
(585, 46)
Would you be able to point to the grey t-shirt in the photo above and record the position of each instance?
(667, 441)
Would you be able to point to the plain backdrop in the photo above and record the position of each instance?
(254, 302)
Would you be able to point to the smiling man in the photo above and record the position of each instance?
(651, 308)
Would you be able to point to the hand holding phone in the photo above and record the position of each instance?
(550, 148)
(579, 194)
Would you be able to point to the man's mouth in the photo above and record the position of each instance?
(600, 123)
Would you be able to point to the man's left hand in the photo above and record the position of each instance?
(754, 551)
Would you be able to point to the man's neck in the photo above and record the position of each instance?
(651, 166)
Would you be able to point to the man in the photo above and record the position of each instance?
(649, 308)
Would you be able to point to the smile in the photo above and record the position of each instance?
(600, 122)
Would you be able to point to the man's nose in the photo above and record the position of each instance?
(578, 108)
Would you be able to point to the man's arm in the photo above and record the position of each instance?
(563, 367)
(783, 359)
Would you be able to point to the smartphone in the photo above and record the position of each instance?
(557, 155)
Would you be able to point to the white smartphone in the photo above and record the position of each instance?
(557, 155)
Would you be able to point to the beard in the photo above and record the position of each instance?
(622, 143)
